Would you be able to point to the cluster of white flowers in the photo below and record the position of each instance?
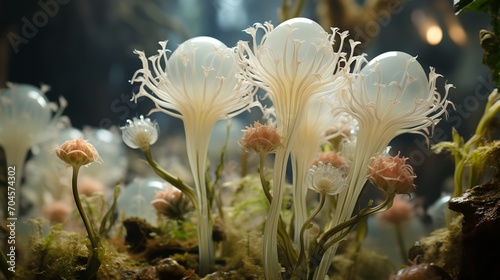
(318, 92)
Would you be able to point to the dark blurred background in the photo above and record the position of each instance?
(84, 51)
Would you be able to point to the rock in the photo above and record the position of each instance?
(224, 275)
(164, 269)
(138, 232)
(422, 271)
(169, 268)
(480, 228)
(144, 273)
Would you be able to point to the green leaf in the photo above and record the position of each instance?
(471, 5)
(362, 230)
(447, 146)
(109, 218)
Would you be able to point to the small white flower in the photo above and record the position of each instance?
(140, 133)
(326, 179)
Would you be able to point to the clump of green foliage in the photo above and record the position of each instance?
(63, 255)
(476, 156)
(442, 248)
(489, 39)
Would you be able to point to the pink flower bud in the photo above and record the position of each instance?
(171, 202)
(391, 174)
(332, 157)
(260, 139)
(77, 152)
(57, 212)
(89, 186)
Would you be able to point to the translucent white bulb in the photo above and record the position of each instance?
(24, 109)
(299, 42)
(202, 68)
(135, 199)
(395, 77)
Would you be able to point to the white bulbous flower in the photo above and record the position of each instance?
(140, 133)
(314, 129)
(199, 84)
(390, 96)
(25, 116)
(26, 119)
(135, 199)
(295, 63)
(326, 179)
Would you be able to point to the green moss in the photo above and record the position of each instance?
(442, 248)
(243, 252)
(60, 255)
(187, 260)
(358, 263)
(249, 205)
(63, 255)
(169, 229)
(486, 156)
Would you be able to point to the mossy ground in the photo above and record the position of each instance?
(443, 247)
(134, 249)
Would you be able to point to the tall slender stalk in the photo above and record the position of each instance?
(282, 236)
(175, 181)
(93, 263)
(264, 182)
(272, 267)
(301, 235)
(197, 148)
(299, 168)
(333, 236)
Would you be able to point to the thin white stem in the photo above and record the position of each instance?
(272, 267)
(299, 199)
(197, 147)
